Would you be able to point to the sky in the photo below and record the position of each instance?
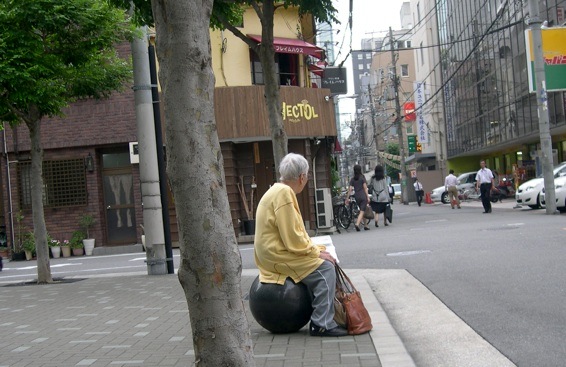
(368, 16)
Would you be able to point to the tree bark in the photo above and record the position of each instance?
(210, 267)
(39, 230)
(272, 86)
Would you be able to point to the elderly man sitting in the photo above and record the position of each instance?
(284, 249)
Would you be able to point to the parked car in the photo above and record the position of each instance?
(560, 190)
(397, 188)
(465, 181)
(528, 193)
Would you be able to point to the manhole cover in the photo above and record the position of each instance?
(408, 253)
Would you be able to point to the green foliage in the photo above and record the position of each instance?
(335, 177)
(393, 173)
(51, 242)
(29, 242)
(20, 234)
(86, 222)
(232, 11)
(53, 52)
(77, 239)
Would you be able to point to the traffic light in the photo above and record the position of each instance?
(419, 147)
(411, 140)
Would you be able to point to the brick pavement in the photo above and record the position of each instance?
(140, 320)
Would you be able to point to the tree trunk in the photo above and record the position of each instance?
(210, 267)
(272, 86)
(39, 230)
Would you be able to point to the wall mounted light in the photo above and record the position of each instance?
(89, 163)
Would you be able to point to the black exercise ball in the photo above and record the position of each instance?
(280, 308)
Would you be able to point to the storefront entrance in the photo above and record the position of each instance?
(119, 202)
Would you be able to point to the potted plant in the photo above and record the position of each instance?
(29, 245)
(55, 247)
(86, 222)
(76, 243)
(18, 253)
(4, 252)
(66, 248)
(249, 223)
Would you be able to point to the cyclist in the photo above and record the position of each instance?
(359, 185)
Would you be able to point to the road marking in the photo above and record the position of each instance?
(515, 224)
(138, 259)
(436, 221)
(408, 253)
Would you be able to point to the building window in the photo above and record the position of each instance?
(360, 56)
(405, 70)
(408, 44)
(368, 56)
(422, 54)
(368, 66)
(361, 66)
(286, 66)
(64, 183)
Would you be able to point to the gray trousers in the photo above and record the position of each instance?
(322, 285)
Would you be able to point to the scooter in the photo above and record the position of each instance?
(504, 190)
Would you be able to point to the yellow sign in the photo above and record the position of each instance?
(295, 113)
(554, 54)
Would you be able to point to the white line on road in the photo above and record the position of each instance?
(436, 221)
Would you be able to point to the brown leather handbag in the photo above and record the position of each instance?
(358, 320)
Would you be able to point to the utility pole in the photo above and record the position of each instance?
(542, 103)
(149, 173)
(372, 111)
(399, 123)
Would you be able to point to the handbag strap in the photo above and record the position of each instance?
(343, 283)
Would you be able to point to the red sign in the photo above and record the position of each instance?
(409, 111)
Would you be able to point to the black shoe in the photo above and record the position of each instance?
(318, 331)
(376, 225)
(357, 228)
(366, 228)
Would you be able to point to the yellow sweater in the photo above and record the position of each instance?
(283, 247)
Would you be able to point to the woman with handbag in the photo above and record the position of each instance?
(380, 196)
(359, 184)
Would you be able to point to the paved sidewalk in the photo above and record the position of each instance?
(141, 320)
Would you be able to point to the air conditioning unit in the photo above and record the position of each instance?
(324, 212)
(134, 152)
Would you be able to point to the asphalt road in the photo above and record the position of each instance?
(502, 273)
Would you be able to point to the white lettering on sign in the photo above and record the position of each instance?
(294, 113)
(289, 49)
(422, 130)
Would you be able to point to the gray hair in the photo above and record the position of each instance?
(292, 166)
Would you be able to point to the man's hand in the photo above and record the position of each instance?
(326, 256)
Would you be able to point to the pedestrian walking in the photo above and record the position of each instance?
(380, 195)
(451, 187)
(419, 191)
(391, 193)
(485, 183)
(359, 185)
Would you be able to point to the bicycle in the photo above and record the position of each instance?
(348, 213)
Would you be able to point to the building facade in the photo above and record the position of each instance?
(489, 112)
(90, 166)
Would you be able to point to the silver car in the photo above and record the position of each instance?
(465, 181)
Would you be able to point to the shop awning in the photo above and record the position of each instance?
(292, 46)
(318, 68)
(337, 147)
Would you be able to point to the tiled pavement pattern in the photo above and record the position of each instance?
(140, 320)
